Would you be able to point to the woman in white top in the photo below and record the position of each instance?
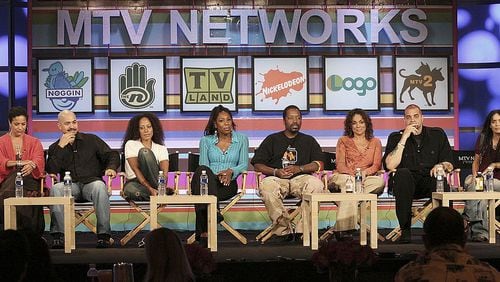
(145, 156)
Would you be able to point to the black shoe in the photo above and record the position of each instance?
(346, 235)
(58, 240)
(291, 238)
(203, 242)
(479, 239)
(220, 217)
(405, 237)
(103, 244)
(58, 244)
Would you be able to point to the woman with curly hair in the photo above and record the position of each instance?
(145, 156)
(224, 156)
(356, 149)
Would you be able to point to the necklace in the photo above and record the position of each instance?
(17, 142)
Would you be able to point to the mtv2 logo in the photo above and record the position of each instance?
(209, 86)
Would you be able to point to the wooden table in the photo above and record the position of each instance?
(444, 199)
(69, 211)
(209, 200)
(311, 211)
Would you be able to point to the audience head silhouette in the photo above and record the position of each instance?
(443, 226)
(166, 257)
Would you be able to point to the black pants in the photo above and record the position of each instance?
(28, 217)
(408, 185)
(214, 188)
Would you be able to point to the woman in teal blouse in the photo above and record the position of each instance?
(224, 156)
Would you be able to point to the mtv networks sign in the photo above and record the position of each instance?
(241, 27)
(351, 82)
(208, 82)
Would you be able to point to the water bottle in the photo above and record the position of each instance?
(440, 179)
(349, 185)
(488, 177)
(162, 186)
(19, 185)
(358, 181)
(479, 182)
(204, 183)
(67, 184)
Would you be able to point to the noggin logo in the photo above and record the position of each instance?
(136, 91)
(63, 90)
(361, 85)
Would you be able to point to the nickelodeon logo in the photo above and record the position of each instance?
(277, 84)
(209, 86)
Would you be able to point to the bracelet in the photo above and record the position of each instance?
(319, 166)
(18, 163)
(274, 171)
(401, 144)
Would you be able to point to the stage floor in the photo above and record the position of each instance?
(291, 260)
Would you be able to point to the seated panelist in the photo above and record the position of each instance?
(22, 153)
(145, 156)
(288, 158)
(358, 148)
(224, 156)
(86, 157)
(415, 153)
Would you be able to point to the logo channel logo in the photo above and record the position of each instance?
(360, 85)
(136, 91)
(63, 90)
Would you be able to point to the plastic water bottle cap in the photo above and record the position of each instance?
(203, 172)
(18, 174)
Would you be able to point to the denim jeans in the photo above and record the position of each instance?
(475, 211)
(94, 192)
(150, 168)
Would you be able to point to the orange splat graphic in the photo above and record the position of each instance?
(277, 84)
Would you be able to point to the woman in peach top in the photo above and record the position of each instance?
(356, 149)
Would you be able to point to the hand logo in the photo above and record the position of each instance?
(135, 91)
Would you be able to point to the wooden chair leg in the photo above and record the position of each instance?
(191, 239)
(327, 234)
(270, 233)
(264, 232)
(235, 233)
(134, 231)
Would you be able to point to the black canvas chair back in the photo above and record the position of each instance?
(193, 162)
(329, 161)
(463, 160)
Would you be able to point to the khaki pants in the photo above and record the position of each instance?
(347, 212)
(273, 190)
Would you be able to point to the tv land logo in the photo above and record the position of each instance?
(209, 85)
(359, 84)
(278, 84)
(136, 91)
(63, 90)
